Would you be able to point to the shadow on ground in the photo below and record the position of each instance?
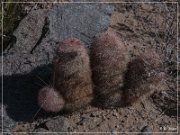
(20, 92)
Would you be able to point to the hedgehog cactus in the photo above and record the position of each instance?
(109, 59)
(71, 78)
(144, 76)
(73, 74)
(50, 100)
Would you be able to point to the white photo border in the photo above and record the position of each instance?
(2, 3)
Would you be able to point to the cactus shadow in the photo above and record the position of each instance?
(20, 93)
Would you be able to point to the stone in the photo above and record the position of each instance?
(59, 124)
(18, 58)
(82, 21)
(29, 31)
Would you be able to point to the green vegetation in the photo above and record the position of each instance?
(12, 13)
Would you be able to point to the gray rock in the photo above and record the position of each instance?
(36, 37)
(54, 125)
(83, 21)
(18, 58)
(29, 31)
(59, 124)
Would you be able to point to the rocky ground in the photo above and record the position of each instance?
(27, 67)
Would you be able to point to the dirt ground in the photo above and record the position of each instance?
(141, 26)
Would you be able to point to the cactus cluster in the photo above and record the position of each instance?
(71, 77)
(109, 59)
(144, 76)
(107, 77)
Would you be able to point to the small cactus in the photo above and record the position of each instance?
(109, 59)
(50, 100)
(72, 74)
(144, 76)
